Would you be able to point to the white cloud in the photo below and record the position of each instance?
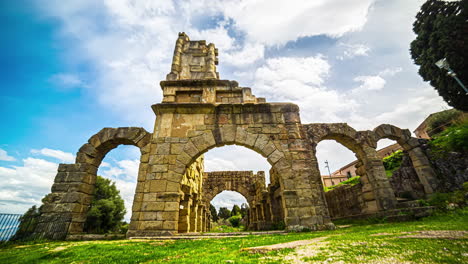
(5, 157)
(277, 22)
(24, 186)
(228, 199)
(353, 50)
(369, 83)
(66, 80)
(374, 82)
(58, 154)
(301, 81)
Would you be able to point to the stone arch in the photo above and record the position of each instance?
(216, 182)
(107, 139)
(376, 190)
(65, 210)
(412, 146)
(183, 132)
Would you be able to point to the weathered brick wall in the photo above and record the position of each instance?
(243, 182)
(345, 200)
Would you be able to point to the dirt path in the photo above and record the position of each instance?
(292, 244)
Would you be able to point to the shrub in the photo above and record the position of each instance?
(392, 162)
(448, 201)
(439, 121)
(235, 220)
(351, 181)
(454, 138)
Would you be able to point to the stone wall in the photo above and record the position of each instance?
(405, 182)
(345, 200)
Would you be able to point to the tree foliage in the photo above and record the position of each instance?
(442, 32)
(244, 209)
(454, 138)
(235, 220)
(224, 213)
(235, 210)
(214, 213)
(107, 208)
(28, 222)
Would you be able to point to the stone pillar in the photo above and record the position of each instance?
(184, 215)
(194, 217)
(200, 218)
(382, 196)
(267, 213)
(424, 170)
(64, 212)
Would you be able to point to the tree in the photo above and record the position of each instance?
(244, 209)
(214, 214)
(235, 210)
(28, 221)
(27, 224)
(107, 208)
(224, 213)
(442, 32)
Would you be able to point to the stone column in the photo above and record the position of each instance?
(424, 170)
(200, 218)
(184, 215)
(194, 217)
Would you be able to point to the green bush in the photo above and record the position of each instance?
(351, 181)
(392, 162)
(448, 201)
(107, 208)
(438, 121)
(454, 138)
(235, 220)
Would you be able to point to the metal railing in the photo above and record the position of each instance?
(9, 224)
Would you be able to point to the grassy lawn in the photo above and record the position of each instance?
(359, 243)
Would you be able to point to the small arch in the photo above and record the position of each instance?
(109, 138)
(369, 166)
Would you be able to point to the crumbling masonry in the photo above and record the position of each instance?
(199, 112)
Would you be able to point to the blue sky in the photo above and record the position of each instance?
(71, 68)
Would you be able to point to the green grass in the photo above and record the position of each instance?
(354, 244)
(351, 181)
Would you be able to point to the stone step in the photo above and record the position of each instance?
(395, 215)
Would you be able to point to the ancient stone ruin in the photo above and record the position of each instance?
(200, 111)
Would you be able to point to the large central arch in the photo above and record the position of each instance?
(186, 131)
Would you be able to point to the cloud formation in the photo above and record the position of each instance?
(64, 157)
(5, 157)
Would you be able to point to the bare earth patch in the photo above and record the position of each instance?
(292, 244)
(439, 234)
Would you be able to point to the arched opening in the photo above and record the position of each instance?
(336, 162)
(218, 173)
(73, 189)
(120, 166)
(341, 178)
(229, 204)
(415, 159)
(376, 193)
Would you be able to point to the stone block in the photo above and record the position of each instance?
(171, 206)
(159, 168)
(190, 149)
(163, 148)
(172, 186)
(150, 225)
(157, 186)
(152, 206)
(170, 225)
